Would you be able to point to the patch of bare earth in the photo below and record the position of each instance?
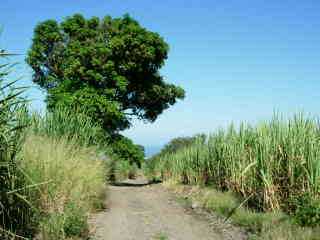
(138, 211)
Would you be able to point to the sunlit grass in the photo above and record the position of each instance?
(271, 162)
(254, 175)
(68, 182)
(50, 174)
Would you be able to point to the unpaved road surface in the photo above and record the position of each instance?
(137, 211)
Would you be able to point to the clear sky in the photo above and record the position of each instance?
(237, 59)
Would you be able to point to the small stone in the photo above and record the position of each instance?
(194, 205)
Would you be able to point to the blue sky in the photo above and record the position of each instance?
(237, 59)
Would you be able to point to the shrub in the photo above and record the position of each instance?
(307, 211)
(125, 170)
(133, 171)
(126, 150)
(122, 169)
(75, 223)
(179, 143)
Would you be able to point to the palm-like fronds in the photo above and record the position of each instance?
(14, 214)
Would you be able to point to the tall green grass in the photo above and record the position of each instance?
(55, 177)
(51, 174)
(271, 163)
(14, 210)
(64, 122)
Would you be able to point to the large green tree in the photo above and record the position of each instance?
(108, 67)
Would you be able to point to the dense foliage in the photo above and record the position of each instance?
(126, 150)
(109, 67)
(180, 142)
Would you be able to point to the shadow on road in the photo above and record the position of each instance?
(134, 184)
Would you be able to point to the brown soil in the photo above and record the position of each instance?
(138, 211)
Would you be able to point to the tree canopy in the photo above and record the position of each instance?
(126, 150)
(181, 142)
(108, 67)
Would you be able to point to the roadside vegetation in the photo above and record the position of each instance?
(51, 175)
(54, 167)
(265, 177)
(101, 73)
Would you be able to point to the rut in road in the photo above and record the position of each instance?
(138, 211)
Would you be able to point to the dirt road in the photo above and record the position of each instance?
(138, 211)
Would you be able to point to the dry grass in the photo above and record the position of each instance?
(68, 181)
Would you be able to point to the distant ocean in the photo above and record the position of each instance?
(152, 150)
